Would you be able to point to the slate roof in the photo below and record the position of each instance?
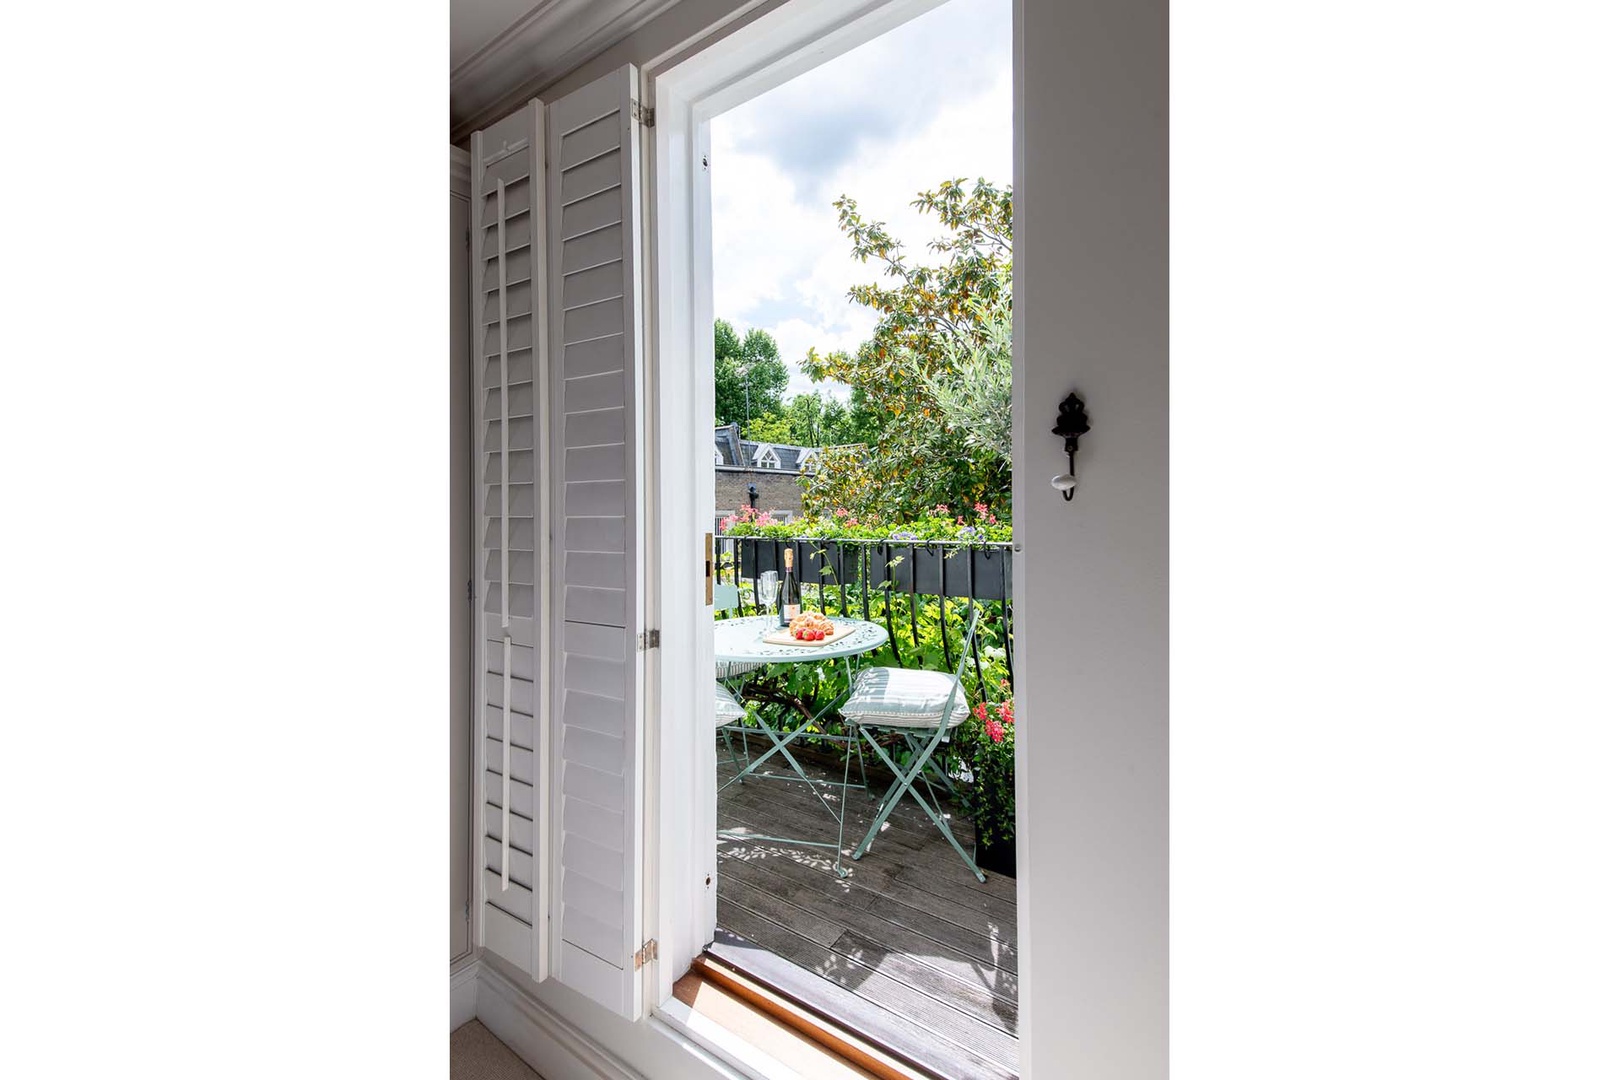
(738, 452)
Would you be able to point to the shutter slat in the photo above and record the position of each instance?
(589, 214)
(593, 249)
(602, 356)
(523, 731)
(523, 797)
(590, 178)
(603, 498)
(520, 863)
(591, 141)
(524, 833)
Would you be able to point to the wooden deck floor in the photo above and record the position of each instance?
(924, 956)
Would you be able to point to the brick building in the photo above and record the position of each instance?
(772, 468)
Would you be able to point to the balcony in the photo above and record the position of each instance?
(909, 948)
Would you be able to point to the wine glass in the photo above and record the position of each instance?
(770, 583)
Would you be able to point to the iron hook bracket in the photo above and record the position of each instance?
(1072, 422)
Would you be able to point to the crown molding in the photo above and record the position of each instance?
(549, 41)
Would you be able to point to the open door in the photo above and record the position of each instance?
(597, 487)
(508, 266)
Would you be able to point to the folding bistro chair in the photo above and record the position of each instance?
(728, 597)
(728, 712)
(923, 708)
(731, 674)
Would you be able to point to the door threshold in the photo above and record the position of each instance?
(828, 1013)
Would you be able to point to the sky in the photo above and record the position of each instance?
(928, 101)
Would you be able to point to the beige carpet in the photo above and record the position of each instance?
(475, 1054)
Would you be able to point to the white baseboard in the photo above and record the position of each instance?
(551, 1046)
(463, 992)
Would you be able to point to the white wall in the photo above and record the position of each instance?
(1091, 586)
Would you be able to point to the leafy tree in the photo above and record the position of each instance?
(936, 374)
(749, 376)
(811, 420)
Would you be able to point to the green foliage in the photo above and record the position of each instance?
(984, 744)
(937, 368)
(749, 376)
(937, 524)
(810, 420)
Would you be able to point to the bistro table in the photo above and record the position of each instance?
(743, 641)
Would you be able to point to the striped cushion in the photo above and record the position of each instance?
(726, 708)
(900, 697)
(732, 669)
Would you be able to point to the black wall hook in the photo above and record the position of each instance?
(1072, 422)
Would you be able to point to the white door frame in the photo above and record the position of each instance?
(687, 90)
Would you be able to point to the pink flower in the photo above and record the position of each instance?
(995, 730)
(942, 509)
(980, 509)
(1005, 709)
(981, 712)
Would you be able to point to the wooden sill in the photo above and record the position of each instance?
(777, 1025)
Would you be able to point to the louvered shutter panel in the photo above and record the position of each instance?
(510, 299)
(592, 208)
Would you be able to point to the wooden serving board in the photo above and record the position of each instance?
(785, 637)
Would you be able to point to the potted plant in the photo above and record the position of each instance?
(989, 752)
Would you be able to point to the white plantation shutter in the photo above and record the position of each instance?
(508, 259)
(592, 210)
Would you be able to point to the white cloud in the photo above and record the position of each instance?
(779, 260)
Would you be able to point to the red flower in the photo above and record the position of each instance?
(981, 712)
(980, 509)
(1005, 709)
(995, 730)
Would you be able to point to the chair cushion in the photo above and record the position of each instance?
(731, 669)
(726, 708)
(900, 697)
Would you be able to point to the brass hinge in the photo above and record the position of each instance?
(642, 114)
(646, 954)
(647, 640)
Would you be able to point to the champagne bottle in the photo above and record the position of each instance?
(789, 605)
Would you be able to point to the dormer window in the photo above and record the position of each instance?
(718, 460)
(765, 458)
(807, 462)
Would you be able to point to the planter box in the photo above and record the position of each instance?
(926, 569)
(933, 570)
(756, 555)
(998, 858)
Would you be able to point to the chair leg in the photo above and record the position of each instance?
(843, 802)
(731, 752)
(905, 780)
